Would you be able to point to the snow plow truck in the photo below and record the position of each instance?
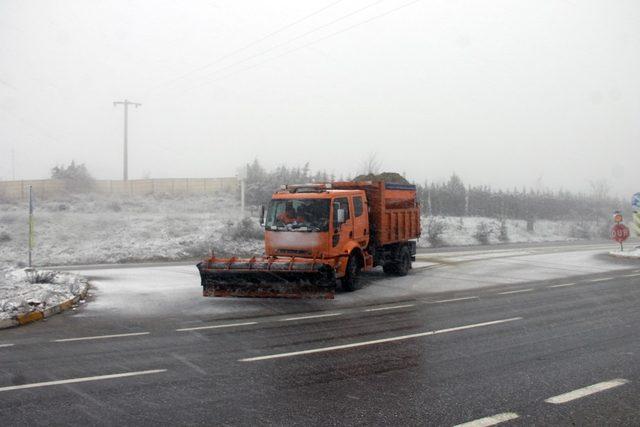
(321, 234)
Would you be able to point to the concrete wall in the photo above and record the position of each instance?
(47, 188)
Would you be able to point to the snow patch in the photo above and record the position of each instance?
(24, 290)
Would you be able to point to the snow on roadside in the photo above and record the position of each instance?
(633, 253)
(19, 294)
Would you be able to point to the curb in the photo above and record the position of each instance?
(34, 316)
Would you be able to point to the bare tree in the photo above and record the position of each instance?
(371, 165)
(600, 189)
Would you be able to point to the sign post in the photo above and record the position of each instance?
(30, 223)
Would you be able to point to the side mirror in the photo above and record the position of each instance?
(262, 218)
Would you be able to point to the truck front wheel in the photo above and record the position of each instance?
(350, 279)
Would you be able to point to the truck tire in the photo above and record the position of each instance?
(404, 263)
(389, 268)
(350, 280)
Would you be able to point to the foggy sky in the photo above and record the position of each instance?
(539, 93)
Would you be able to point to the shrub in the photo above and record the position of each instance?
(247, 228)
(4, 237)
(45, 276)
(483, 232)
(435, 229)
(503, 234)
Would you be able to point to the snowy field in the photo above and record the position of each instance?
(23, 292)
(92, 229)
(464, 231)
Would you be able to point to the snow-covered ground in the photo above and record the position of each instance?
(633, 253)
(98, 229)
(22, 291)
(463, 231)
(92, 229)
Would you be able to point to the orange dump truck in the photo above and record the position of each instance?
(319, 234)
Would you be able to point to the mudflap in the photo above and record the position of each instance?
(267, 284)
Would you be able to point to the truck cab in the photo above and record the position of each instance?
(320, 223)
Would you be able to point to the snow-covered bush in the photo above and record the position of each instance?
(503, 234)
(435, 229)
(483, 233)
(247, 228)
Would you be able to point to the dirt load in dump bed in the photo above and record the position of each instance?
(392, 177)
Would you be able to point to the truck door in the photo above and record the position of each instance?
(360, 221)
(343, 233)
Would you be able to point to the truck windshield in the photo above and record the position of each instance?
(298, 215)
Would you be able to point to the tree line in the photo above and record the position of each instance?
(454, 198)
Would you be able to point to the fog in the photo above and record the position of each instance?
(541, 94)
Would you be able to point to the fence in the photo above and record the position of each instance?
(47, 188)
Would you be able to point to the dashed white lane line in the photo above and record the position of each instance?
(81, 380)
(586, 391)
(563, 285)
(101, 337)
(379, 341)
(631, 275)
(313, 316)
(602, 279)
(228, 325)
(515, 292)
(389, 308)
(6, 345)
(450, 300)
(491, 421)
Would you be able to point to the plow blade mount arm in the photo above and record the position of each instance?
(279, 277)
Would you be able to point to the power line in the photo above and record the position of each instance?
(307, 44)
(348, 15)
(245, 47)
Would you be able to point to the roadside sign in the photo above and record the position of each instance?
(635, 202)
(620, 233)
(617, 217)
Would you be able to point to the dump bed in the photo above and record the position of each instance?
(394, 212)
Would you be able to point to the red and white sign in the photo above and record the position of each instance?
(620, 233)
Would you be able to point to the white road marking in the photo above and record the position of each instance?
(491, 421)
(314, 316)
(389, 308)
(631, 275)
(450, 300)
(229, 325)
(100, 337)
(379, 341)
(81, 380)
(601, 279)
(515, 292)
(6, 345)
(586, 391)
(561, 286)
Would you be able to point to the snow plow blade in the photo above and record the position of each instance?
(267, 278)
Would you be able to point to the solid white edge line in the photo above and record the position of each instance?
(451, 300)
(6, 345)
(81, 380)
(389, 308)
(379, 341)
(561, 285)
(100, 337)
(313, 316)
(229, 325)
(515, 292)
(586, 391)
(491, 421)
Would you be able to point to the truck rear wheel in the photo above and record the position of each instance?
(350, 279)
(401, 266)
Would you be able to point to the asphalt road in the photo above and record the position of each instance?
(531, 336)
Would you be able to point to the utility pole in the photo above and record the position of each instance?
(13, 164)
(30, 223)
(126, 103)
